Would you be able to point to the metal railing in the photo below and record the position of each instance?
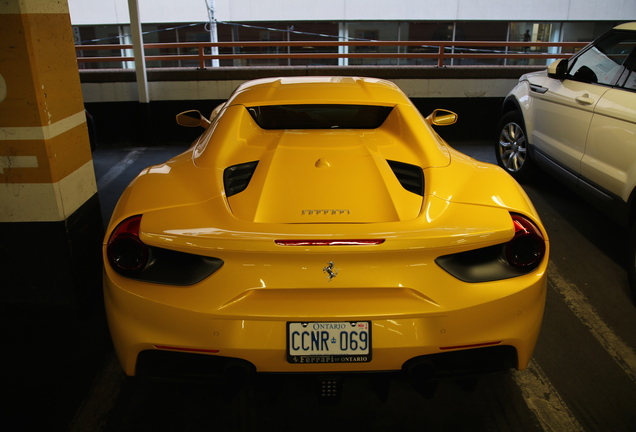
(439, 52)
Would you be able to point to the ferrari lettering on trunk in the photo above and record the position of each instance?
(326, 212)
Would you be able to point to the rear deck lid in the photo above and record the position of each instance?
(329, 177)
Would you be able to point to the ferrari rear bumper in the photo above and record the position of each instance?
(498, 333)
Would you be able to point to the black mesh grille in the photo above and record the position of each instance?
(411, 177)
(237, 177)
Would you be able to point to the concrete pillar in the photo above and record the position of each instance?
(50, 223)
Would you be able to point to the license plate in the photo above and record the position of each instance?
(329, 342)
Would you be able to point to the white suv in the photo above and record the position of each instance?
(577, 120)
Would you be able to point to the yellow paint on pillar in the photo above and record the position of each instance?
(43, 133)
(40, 71)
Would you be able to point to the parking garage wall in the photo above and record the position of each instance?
(111, 96)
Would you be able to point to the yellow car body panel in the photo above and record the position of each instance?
(326, 90)
(317, 185)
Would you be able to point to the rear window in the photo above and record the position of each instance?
(319, 116)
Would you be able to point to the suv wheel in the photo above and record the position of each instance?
(511, 147)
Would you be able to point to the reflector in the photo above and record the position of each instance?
(194, 350)
(470, 346)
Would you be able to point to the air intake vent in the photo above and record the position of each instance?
(411, 177)
(237, 177)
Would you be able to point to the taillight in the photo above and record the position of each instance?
(527, 247)
(126, 252)
(519, 256)
(132, 258)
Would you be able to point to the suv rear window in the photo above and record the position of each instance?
(319, 116)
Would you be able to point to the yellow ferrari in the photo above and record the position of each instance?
(321, 225)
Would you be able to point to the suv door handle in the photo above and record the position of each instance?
(538, 89)
(584, 100)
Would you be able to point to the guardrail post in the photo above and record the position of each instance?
(201, 58)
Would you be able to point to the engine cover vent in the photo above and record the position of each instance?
(237, 177)
(411, 177)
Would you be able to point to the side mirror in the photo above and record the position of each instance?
(558, 69)
(192, 118)
(442, 117)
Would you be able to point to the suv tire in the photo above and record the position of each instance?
(511, 147)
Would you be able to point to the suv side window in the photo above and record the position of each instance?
(603, 62)
(630, 83)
